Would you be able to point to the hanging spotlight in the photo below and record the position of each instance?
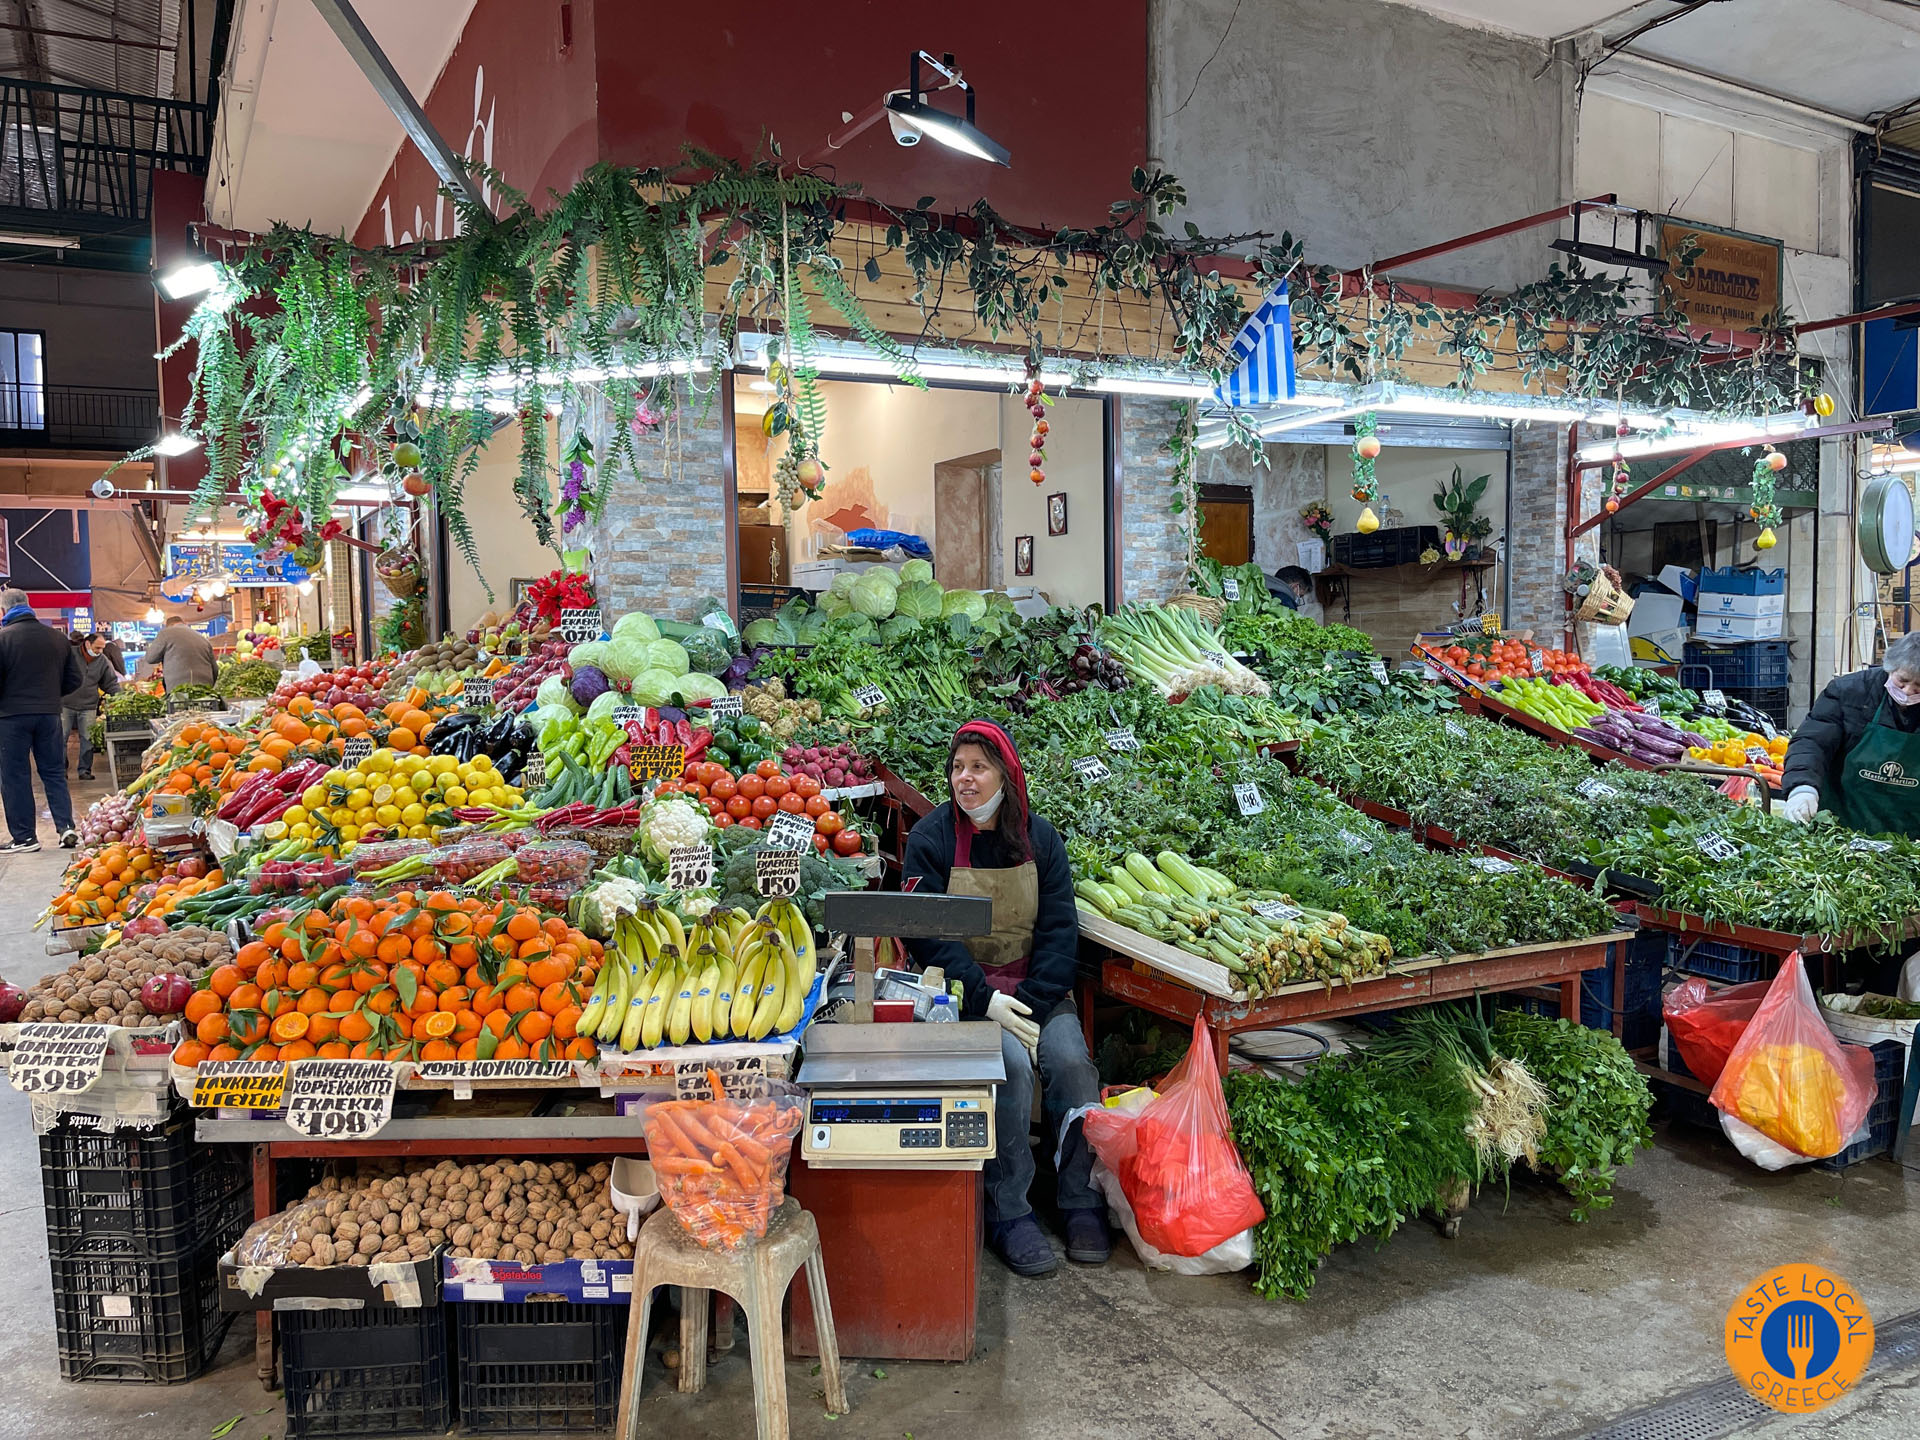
(911, 115)
(175, 443)
(153, 615)
(188, 278)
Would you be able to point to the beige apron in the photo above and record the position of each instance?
(1015, 893)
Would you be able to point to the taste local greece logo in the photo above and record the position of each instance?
(1799, 1338)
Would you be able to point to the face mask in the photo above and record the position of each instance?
(986, 812)
(1901, 696)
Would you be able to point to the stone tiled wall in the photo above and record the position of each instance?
(1152, 540)
(660, 545)
(1536, 543)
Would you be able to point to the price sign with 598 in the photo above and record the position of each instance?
(57, 1059)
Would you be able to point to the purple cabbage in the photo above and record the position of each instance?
(589, 683)
(741, 666)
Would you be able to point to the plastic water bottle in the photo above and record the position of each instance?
(942, 1011)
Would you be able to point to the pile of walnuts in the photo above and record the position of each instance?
(104, 988)
(526, 1211)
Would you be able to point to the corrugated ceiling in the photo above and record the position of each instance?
(51, 50)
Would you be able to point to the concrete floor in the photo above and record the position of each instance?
(1523, 1326)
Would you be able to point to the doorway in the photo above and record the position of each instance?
(966, 520)
(1226, 523)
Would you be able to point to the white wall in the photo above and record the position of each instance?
(1409, 476)
(502, 534)
(1069, 569)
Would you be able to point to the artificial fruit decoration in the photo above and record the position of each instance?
(1365, 488)
(1765, 539)
(1036, 407)
(1368, 521)
(1617, 487)
(1764, 511)
(1823, 404)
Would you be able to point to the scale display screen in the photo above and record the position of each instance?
(876, 1112)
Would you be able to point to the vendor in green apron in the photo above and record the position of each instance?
(985, 841)
(1857, 754)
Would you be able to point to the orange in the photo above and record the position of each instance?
(201, 1004)
(438, 1050)
(334, 1050)
(510, 1049)
(466, 1026)
(355, 1027)
(487, 999)
(223, 1052)
(297, 1050)
(426, 949)
(581, 1048)
(322, 1027)
(189, 1052)
(211, 1028)
(245, 997)
(535, 1026)
(314, 1001)
(523, 926)
(556, 997)
(383, 1001)
(497, 1020)
(522, 997)
(566, 1022)
(549, 972)
(225, 980)
(265, 1052)
(398, 738)
(342, 1001)
(291, 1025)
(437, 1026)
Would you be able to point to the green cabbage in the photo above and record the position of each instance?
(638, 624)
(916, 572)
(627, 655)
(708, 651)
(696, 686)
(922, 601)
(812, 627)
(899, 628)
(553, 691)
(655, 687)
(833, 605)
(874, 595)
(545, 715)
(843, 582)
(766, 632)
(858, 627)
(591, 652)
(667, 655)
(970, 603)
(605, 703)
(884, 572)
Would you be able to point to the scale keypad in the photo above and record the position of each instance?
(920, 1139)
(967, 1130)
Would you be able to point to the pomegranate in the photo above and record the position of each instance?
(145, 925)
(13, 1000)
(166, 994)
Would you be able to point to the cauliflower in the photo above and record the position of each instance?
(669, 821)
(607, 901)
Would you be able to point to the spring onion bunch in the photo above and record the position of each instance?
(1176, 651)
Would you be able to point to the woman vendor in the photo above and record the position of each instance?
(986, 842)
(1857, 754)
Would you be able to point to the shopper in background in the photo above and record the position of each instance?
(1857, 754)
(986, 842)
(1291, 585)
(37, 667)
(181, 654)
(80, 708)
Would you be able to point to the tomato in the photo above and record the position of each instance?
(816, 804)
(767, 768)
(711, 771)
(792, 804)
(764, 806)
(828, 824)
(697, 790)
(739, 807)
(692, 772)
(820, 844)
(667, 787)
(723, 788)
(805, 786)
(751, 786)
(752, 822)
(778, 785)
(847, 842)
(716, 807)
(722, 820)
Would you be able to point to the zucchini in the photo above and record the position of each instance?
(1145, 875)
(1178, 869)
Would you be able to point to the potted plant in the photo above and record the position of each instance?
(1457, 502)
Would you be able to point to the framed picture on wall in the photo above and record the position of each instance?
(1057, 513)
(519, 588)
(1023, 554)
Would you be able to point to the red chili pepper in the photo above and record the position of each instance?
(698, 745)
(683, 732)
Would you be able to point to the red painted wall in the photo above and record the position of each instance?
(1062, 86)
(512, 90)
(1064, 89)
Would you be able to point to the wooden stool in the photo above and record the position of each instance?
(757, 1277)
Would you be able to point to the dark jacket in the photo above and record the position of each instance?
(37, 667)
(97, 678)
(1056, 926)
(1834, 726)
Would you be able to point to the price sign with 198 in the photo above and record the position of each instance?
(475, 691)
(776, 873)
(57, 1059)
(1091, 769)
(340, 1099)
(689, 867)
(1248, 797)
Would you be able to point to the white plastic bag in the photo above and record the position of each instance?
(1233, 1253)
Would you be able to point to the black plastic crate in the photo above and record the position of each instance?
(1402, 545)
(1889, 1074)
(1640, 1009)
(149, 1194)
(380, 1370)
(1743, 665)
(539, 1368)
(1719, 959)
(137, 1319)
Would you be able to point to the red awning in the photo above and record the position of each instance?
(60, 599)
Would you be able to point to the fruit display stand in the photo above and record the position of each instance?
(1168, 981)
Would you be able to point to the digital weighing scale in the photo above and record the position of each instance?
(893, 1097)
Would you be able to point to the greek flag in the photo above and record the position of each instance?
(1263, 355)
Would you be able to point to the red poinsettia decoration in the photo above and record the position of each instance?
(559, 590)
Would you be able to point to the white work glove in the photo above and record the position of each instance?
(1802, 805)
(1015, 1019)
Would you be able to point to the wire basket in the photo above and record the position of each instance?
(1208, 608)
(1604, 603)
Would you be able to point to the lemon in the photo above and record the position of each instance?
(387, 815)
(336, 777)
(419, 832)
(277, 830)
(380, 762)
(413, 815)
(359, 798)
(407, 764)
(382, 794)
(314, 796)
(443, 764)
(482, 762)
(422, 783)
(348, 834)
(482, 796)
(456, 795)
(293, 815)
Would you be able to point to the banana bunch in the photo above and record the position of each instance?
(729, 976)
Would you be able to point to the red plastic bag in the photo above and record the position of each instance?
(1706, 1021)
(1176, 1159)
(1789, 1079)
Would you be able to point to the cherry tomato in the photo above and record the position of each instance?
(767, 768)
(751, 786)
(792, 804)
(764, 806)
(820, 843)
(778, 785)
(739, 807)
(847, 842)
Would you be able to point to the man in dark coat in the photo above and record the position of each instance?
(37, 668)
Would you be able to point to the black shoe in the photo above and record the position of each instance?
(69, 838)
(19, 847)
(1089, 1242)
(1022, 1244)
(86, 774)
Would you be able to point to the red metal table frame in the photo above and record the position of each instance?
(1558, 968)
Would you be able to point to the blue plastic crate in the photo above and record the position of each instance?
(1755, 665)
(1640, 1010)
(1729, 581)
(1718, 959)
(1889, 1074)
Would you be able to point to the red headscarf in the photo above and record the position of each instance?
(1015, 810)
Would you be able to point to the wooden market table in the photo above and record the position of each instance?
(1168, 981)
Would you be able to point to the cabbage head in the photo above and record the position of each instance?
(553, 691)
(591, 652)
(833, 605)
(843, 583)
(764, 632)
(708, 651)
(874, 595)
(627, 656)
(697, 686)
(886, 572)
(639, 624)
(667, 655)
(655, 687)
(916, 572)
(900, 627)
(970, 603)
(546, 715)
(812, 627)
(922, 601)
(604, 704)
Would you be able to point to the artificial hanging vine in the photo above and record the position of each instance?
(1366, 487)
(1186, 487)
(1764, 510)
